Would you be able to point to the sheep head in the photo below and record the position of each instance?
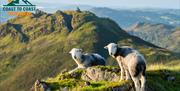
(112, 48)
(76, 53)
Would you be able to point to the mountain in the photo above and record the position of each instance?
(159, 34)
(127, 17)
(175, 36)
(36, 47)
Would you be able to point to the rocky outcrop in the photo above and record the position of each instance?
(40, 86)
(87, 76)
(98, 74)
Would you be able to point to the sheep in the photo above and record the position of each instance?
(131, 62)
(86, 60)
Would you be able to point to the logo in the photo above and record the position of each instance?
(19, 7)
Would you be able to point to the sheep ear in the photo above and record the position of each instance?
(105, 47)
(70, 52)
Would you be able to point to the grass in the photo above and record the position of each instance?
(79, 85)
(157, 76)
(101, 86)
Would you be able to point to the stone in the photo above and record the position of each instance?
(97, 74)
(40, 86)
(171, 78)
(65, 89)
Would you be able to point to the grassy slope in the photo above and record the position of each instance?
(175, 36)
(157, 76)
(23, 59)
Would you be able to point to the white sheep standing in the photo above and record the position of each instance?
(131, 62)
(86, 60)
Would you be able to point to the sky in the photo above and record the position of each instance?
(121, 3)
(172, 4)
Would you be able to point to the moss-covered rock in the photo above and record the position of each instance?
(101, 74)
(40, 86)
(102, 78)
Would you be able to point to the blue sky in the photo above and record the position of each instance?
(116, 3)
(122, 3)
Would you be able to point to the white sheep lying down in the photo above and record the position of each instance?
(86, 60)
(131, 62)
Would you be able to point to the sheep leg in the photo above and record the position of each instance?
(136, 83)
(143, 82)
(127, 75)
(122, 71)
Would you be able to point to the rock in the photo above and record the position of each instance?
(97, 74)
(84, 78)
(64, 89)
(40, 86)
(39, 13)
(171, 78)
(105, 74)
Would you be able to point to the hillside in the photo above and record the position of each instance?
(127, 17)
(37, 46)
(175, 36)
(158, 34)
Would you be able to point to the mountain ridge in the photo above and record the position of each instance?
(158, 34)
(127, 17)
